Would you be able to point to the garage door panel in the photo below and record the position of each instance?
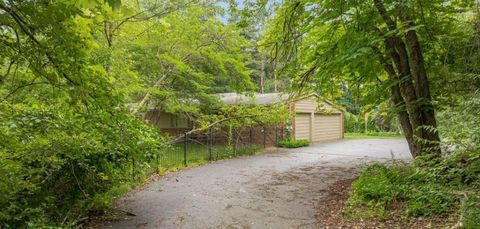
(302, 126)
(327, 127)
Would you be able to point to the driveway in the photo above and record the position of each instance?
(278, 189)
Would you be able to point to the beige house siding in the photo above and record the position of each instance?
(302, 126)
(327, 127)
(306, 106)
(316, 121)
(164, 120)
(310, 105)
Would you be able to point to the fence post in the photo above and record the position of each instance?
(210, 143)
(158, 162)
(264, 137)
(276, 133)
(251, 135)
(234, 137)
(282, 137)
(133, 169)
(185, 149)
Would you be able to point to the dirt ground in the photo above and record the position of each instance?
(277, 189)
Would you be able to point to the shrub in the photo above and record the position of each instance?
(377, 122)
(293, 143)
(431, 185)
(471, 212)
(429, 199)
(377, 182)
(57, 164)
(376, 187)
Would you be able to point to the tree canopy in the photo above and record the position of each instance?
(400, 50)
(77, 75)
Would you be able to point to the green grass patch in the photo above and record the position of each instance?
(373, 135)
(293, 143)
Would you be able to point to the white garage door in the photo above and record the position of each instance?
(327, 127)
(302, 126)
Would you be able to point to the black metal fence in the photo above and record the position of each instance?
(219, 144)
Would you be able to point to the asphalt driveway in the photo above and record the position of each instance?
(278, 189)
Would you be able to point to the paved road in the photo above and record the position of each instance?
(272, 190)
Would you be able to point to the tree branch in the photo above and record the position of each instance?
(147, 95)
(31, 35)
(383, 12)
(9, 68)
(208, 127)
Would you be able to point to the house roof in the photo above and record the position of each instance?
(268, 99)
(256, 98)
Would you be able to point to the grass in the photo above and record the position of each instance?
(373, 135)
(293, 143)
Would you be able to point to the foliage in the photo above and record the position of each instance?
(356, 123)
(471, 211)
(69, 74)
(428, 187)
(293, 143)
(58, 162)
(250, 16)
(377, 122)
(176, 62)
(354, 50)
(459, 122)
(240, 116)
(375, 188)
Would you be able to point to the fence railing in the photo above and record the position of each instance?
(219, 144)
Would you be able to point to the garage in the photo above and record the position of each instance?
(302, 124)
(316, 120)
(327, 127)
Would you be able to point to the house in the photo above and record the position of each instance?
(313, 119)
(171, 124)
(316, 120)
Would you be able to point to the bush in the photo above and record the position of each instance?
(471, 211)
(429, 199)
(58, 164)
(293, 143)
(377, 122)
(376, 187)
(377, 182)
(446, 186)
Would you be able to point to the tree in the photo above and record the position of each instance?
(176, 61)
(250, 17)
(69, 71)
(380, 45)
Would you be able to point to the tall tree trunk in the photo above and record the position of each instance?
(398, 101)
(398, 54)
(422, 86)
(262, 75)
(275, 75)
(275, 82)
(408, 60)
